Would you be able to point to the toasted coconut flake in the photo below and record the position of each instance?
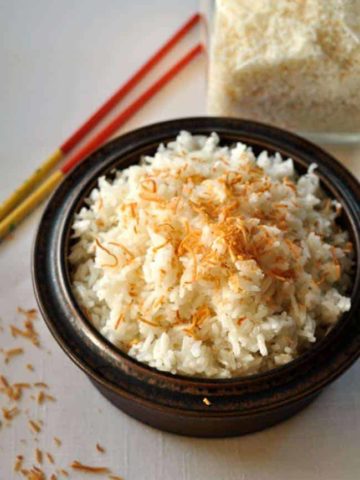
(148, 322)
(152, 188)
(115, 477)
(40, 397)
(158, 301)
(158, 247)
(151, 197)
(10, 413)
(190, 333)
(14, 392)
(34, 474)
(50, 458)
(232, 179)
(13, 352)
(174, 204)
(18, 463)
(30, 314)
(240, 320)
(126, 250)
(178, 318)
(4, 381)
(195, 179)
(119, 320)
(76, 465)
(100, 204)
(99, 448)
(167, 226)
(197, 321)
(282, 275)
(57, 441)
(105, 265)
(133, 209)
(29, 332)
(100, 223)
(295, 249)
(34, 426)
(39, 455)
(289, 184)
(194, 272)
(41, 385)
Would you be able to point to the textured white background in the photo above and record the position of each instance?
(58, 61)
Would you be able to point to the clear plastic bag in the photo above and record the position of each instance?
(295, 64)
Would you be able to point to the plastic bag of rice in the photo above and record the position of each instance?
(294, 64)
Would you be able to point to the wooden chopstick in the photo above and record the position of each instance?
(40, 173)
(14, 218)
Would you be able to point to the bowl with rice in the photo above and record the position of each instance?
(204, 273)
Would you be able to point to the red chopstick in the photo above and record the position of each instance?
(42, 172)
(96, 117)
(21, 211)
(120, 119)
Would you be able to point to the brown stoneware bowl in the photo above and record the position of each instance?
(173, 402)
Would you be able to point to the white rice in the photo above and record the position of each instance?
(206, 260)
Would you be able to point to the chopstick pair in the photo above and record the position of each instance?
(31, 192)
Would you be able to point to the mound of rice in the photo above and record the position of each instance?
(206, 260)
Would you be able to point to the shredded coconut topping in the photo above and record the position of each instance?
(206, 260)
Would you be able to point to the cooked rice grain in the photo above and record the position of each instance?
(206, 260)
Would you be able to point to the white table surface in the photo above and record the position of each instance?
(58, 61)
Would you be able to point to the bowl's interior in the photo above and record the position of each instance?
(121, 162)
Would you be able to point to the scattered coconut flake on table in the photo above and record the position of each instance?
(76, 465)
(208, 260)
(46, 466)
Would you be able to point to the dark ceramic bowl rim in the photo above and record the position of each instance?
(104, 161)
